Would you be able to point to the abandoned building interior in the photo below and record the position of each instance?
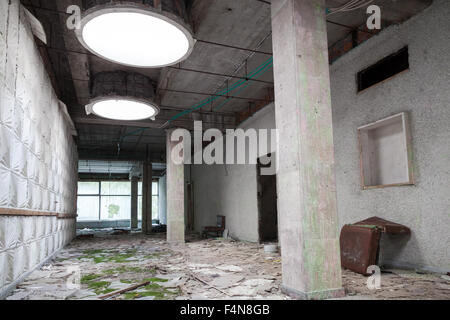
(94, 205)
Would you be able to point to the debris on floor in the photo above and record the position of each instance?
(137, 267)
(121, 231)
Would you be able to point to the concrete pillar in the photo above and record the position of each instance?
(147, 179)
(134, 202)
(175, 195)
(308, 228)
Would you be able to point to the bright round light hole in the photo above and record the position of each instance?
(135, 39)
(123, 110)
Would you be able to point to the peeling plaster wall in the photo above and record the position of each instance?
(231, 190)
(423, 91)
(38, 157)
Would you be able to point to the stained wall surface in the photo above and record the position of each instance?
(423, 92)
(38, 157)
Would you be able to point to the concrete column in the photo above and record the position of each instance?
(175, 195)
(147, 179)
(308, 228)
(134, 202)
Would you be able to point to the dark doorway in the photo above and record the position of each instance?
(267, 202)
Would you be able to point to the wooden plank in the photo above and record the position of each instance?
(67, 216)
(388, 185)
(22, 212)
(115, 293)
(30, 213)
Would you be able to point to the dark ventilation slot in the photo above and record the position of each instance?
(384, 69)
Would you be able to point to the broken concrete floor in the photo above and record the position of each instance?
(198, 270)
(398, 284)
(211, 269)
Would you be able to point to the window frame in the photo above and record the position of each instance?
(100, 195)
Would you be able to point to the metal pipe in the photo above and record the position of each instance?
(212, 95)
(233, 47)
(219, 74)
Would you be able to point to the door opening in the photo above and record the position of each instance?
(267, 204)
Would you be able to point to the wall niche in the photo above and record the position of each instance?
(386, 153)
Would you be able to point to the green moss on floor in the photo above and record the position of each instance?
(126, 281)
(135, 274)
(136, 295)
(156, 280)
(106, 291)
(153, 289)
(89, 277)
(152, 286)
(99, 255)
(99, 287)
(124, 269)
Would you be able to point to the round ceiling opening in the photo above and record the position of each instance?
(135, 37)
(122, 109)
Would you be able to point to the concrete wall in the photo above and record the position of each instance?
(38, 167)
(231, 190)
(423, 92)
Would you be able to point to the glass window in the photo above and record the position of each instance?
(155, 188)
(88, 208)
(155, 206)
(116, 188)
(140, 208)
(112, 201)
(115, 208)
(88, 188)
(155, 200)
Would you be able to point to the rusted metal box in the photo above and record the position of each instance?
(359, 247)
(385, 226)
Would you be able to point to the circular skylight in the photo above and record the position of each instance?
(123, 109)
(135, 37)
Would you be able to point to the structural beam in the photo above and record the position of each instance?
(175, 195)
(308, 225)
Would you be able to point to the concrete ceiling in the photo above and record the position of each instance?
(234, 37)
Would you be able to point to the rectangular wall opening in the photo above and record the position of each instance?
(384, 69)
(385, 148)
